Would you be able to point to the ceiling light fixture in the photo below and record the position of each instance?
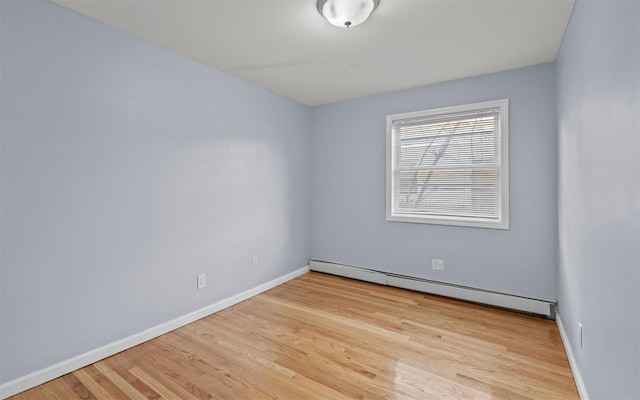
(346, 13)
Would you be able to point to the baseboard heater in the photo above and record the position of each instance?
(510, 301)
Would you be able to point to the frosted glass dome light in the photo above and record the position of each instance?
(346, 13)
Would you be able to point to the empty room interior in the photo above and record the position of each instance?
(320, 199)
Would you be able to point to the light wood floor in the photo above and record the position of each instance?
(325, 337)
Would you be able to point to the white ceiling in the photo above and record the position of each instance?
(289, 48)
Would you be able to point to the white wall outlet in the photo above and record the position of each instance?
(580, 333)
(437, 263)
(254, 261)
(202, 280)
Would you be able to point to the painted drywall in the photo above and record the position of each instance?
(348, 191)
(126, 171)
(599, 191)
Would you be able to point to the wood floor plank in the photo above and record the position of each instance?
(119, 381)
(94, 387)
(325, 337)
(161, 369)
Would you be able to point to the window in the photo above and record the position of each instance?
(450, 166)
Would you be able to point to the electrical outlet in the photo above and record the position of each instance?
(437, 264)
(580, 333)
(202, 280)
(255, 261)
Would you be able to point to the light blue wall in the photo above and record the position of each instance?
(126, 171)
(348, 223)
(599, 208)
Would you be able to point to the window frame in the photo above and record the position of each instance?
(502, 222)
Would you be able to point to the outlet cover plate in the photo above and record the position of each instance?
(437, 263)
(202, 281)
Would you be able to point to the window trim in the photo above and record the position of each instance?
(503, 125)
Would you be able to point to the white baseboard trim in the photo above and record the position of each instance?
(36, 378)
(526, 304)
(577, 376)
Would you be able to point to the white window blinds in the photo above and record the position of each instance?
(449, 166)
